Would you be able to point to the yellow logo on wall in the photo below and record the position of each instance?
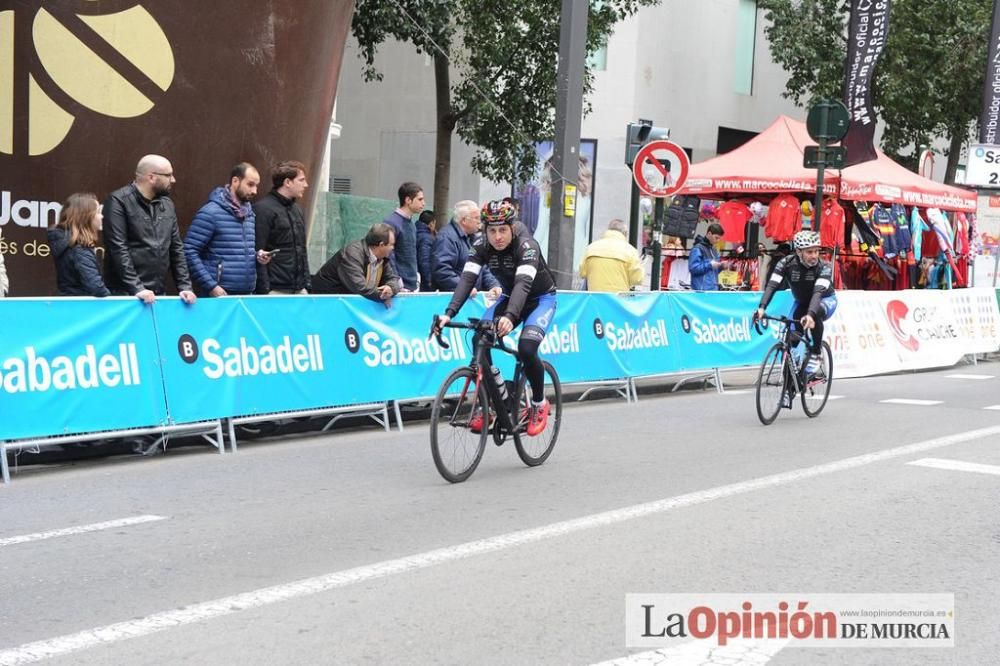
(80, 72)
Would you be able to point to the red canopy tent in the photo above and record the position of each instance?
(771, 163)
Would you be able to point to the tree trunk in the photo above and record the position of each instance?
(442, 147)
(954, 152)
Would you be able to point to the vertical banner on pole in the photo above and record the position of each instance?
(866, 39)
(989, 117)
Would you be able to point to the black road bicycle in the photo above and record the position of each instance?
(782, 374)
(471, 404)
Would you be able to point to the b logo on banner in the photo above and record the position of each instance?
(598, 329)
(187, 347)
(352, 340)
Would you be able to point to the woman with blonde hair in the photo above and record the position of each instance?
(72, 241)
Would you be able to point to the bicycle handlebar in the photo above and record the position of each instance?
(473, 324)
(780, 319)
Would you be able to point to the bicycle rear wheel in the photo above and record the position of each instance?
(535, 450)
(772, 383)
(457, 450)
(816, 390)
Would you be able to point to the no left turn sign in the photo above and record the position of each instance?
(660, 168)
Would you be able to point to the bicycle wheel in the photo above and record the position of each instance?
(817, 389)
(772, 381)
(457, 450)
(535, 450)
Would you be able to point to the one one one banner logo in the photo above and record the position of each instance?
(989, 117)
(866, 39)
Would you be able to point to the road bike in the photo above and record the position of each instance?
(476, 402)
(782, 373)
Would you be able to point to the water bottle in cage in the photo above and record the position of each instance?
(501, 384)
(799, 356)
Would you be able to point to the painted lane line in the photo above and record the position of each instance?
(960, 376)
(957, 466)
(909, 401)
(739, 652)
(199, 612)
(995, 408)
(819, 397)
(82, 529)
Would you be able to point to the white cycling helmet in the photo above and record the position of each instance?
(806, 239)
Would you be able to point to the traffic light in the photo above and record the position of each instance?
(639, 134)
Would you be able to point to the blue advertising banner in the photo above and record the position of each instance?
(387, 353)
(238, 356)
(715, 329)
(635, 331)
(78, 361)
(256, 355)
(78, 366)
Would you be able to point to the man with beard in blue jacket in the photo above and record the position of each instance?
(220, 245)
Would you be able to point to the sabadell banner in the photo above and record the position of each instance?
(87, 88)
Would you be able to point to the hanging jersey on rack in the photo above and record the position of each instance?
(784, 219)
(831, 229)
(733, 216)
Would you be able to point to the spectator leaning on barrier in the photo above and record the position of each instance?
(426, 231)
(281, 232)
(704, 261)
(72, 241)
(4, 283)
(452, 247)
(362, 267)
(611, 263)
(141, 238)
(404, 257)
(221, 244)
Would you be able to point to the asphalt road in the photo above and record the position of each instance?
(349, 548)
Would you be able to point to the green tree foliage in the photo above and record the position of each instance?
(495, 64)
(928, 83)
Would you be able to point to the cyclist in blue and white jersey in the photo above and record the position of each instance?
(529, 294)
(811, 283)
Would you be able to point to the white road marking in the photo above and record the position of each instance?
(736, 391)
(993, 407)
(960, 376)
(739, 652)
(82, 529)
(957, 465)
(909, 401)
(819, 397)
(112, 633)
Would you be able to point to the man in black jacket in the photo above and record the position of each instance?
(281, 233)
(141, 237)
(363, 268)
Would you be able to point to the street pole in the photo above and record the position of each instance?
(634, 218)
(821, 169)
(654, 282)
(565, 155)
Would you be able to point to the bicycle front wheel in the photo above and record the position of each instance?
(772, 383)
(535, 450)
(457, 440)
(817, 388)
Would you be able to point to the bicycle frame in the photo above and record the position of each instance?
(484, 340)
(790, 339)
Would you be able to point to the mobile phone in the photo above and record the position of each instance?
(271, 253)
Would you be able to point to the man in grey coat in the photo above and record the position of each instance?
(362, 268)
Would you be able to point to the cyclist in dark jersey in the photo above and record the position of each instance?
(529, 294)
(811, 284)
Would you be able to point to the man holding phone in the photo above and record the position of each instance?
(281, 233)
